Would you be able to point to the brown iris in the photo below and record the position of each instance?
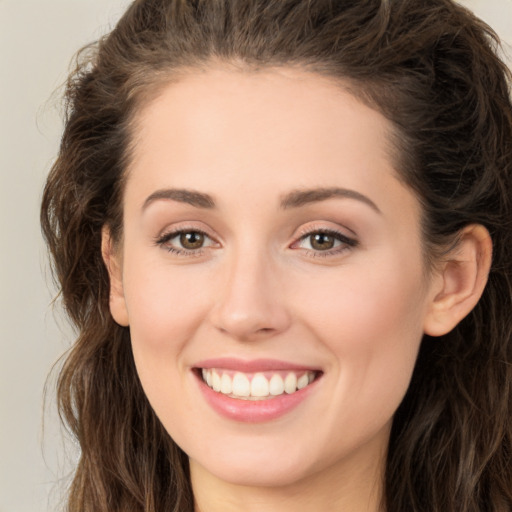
(192, 240)
(322, 241)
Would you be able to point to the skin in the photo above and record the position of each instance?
(257, 288)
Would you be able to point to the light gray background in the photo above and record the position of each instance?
(37, 41)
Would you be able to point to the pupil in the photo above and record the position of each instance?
(191, 240)
(322, 241)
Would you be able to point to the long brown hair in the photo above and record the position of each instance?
(432, 69)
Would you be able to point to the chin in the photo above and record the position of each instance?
(276, 473)
(260, 462)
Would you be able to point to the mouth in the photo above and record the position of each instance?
(255, 386)
(255, 391)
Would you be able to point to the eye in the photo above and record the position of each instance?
(324, 241)
(321, 241)
(185, 241)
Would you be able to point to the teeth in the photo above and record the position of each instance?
(216, 383)
(276, 385)
(225, 385)
(241, 385)
(303, 381)
(290, 383)
(256, 386)
(259, 385)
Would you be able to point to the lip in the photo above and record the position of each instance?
(252, 411)
(252, 366)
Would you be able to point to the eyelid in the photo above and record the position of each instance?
(326, 227)
(346, 242)
(343, 241)
(166, 235)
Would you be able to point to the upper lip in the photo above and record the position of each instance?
(251, 366)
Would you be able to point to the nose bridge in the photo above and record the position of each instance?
(250, 303)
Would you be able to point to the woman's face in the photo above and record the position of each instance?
(269, 246)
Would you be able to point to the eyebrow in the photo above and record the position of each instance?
(294, 199)
(197, 199)
(299, 198)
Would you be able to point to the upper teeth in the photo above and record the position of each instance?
(256, 386)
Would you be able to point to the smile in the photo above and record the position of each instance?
(255, 391)
(256, 386)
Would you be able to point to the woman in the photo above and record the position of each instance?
(283, 230)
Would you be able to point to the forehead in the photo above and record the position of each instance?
(229, 131)
(274, 106)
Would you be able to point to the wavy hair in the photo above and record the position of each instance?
(432, 69)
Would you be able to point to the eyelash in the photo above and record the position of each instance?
(163, 240)
(346, 243)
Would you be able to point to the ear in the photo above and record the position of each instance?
(112, 258)
(461, 281)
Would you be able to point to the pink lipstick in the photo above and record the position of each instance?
(254, 391)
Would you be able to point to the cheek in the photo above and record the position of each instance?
(371, 320)
(164, 303)
(366, 303)
(166, 308)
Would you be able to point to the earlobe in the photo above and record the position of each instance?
(462, 279)
(112, 260)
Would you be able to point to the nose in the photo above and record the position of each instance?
(250, 304)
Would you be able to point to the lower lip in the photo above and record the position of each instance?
(254, 411)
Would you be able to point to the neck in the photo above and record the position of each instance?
(352, 486)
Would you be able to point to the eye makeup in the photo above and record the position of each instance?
(315, 242)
